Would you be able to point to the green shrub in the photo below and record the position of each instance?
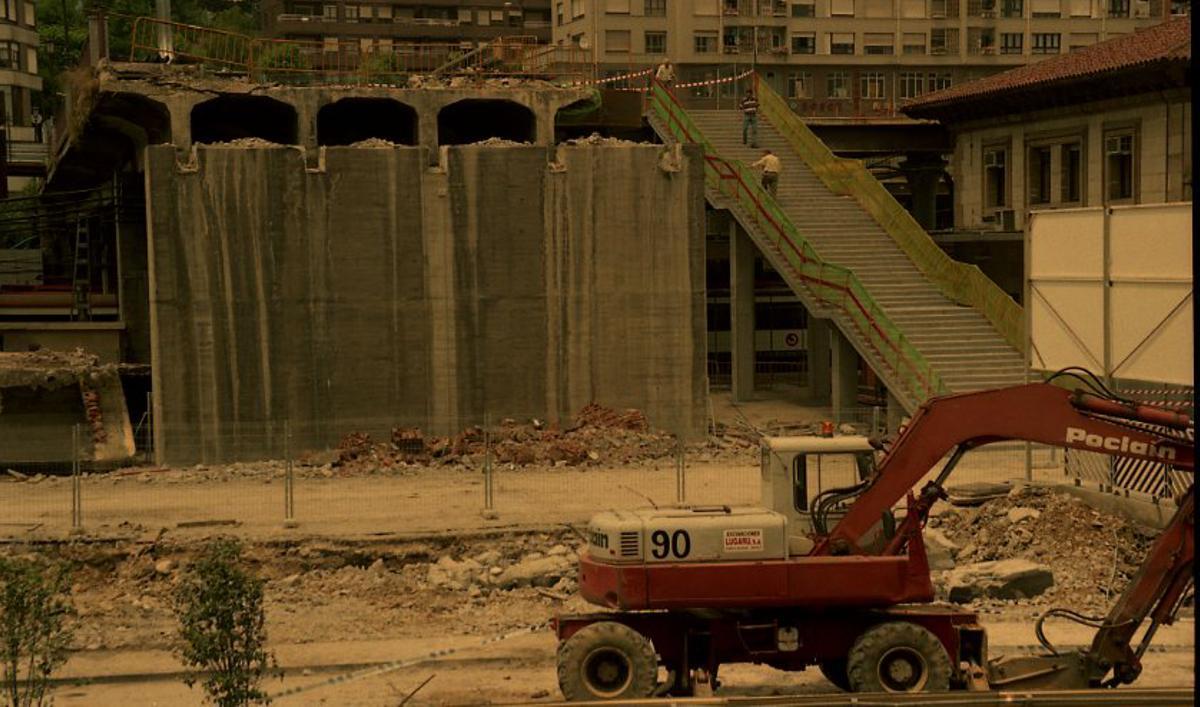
(35, 604)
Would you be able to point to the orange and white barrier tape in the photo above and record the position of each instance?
(713, 82)
(614, 79)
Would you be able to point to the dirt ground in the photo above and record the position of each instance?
(390, 564)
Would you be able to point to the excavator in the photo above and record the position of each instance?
(827, 572)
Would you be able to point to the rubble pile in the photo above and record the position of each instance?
(51, 369)
(597, 435)
(499, 142)
(598, 139)
(1040, 545)
(374, 142)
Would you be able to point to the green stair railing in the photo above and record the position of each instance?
(831, 284)
(961, 283)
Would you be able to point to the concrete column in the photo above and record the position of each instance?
(818, 360)
(895, 413)
(923, 174)
(741, 312)
(843, 374)
(427, 131)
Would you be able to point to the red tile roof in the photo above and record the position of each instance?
(1170, 41)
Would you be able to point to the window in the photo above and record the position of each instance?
(330, 13)
(837, 84)
(1118, 166)
(804, 42)
(804, 9)
(800, 86)
(982, 40)
(879, 43)
(1046, 8)
(656, 42)
(1012, 8)
(841, 8)
(616, 40)
(937, 9)
(914, 42)
(1039, 175)
(1181, 7)
(706, 42)
(1011, 43)
(841, 43)
(656, 8)
(558, 14)
(10, 55)
(912, 84)
(616, 7)
(1046, 42)
(939, 82)
(1071, 161)
(995, 182)
(351, 13)
(912, 9)
(577, 9)
(30, 20)
(937, 41)
(1118, 8)
(873, 84)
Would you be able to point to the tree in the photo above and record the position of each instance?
(223, 626)
(34, 607)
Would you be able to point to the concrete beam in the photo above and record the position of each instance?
(741, 305)
(843, 374)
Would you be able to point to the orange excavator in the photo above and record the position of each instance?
(690, 588)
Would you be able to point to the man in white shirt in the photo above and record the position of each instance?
(770, 166)
(665, 73)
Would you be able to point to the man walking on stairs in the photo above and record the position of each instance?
(769, 164)
(749, 106)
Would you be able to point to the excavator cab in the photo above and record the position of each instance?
(796, 470)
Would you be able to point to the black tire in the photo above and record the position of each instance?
(607, 661)
(898, 657)
(834, 671)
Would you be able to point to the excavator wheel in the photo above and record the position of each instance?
(898, 657)
(607, 661)
(834, 671)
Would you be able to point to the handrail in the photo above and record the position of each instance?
(961, 283)
(831, 284)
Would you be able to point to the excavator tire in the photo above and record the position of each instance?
(834, 671)
(607, 661)
(898, 657)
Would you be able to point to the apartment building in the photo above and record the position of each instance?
(843, 57)
(380, 25)
(19, 81)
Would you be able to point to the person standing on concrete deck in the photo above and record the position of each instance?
(770, 166)
(665, 73)
(749, 106)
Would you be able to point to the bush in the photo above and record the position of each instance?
(223, 627)
(34, 607)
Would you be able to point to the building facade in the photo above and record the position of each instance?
(380, 26)
(1110, 125)
(843, 57)
(19, 81)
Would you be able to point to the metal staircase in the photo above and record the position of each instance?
(846, 266)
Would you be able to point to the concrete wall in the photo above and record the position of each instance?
(372, 292)
(1161, 125)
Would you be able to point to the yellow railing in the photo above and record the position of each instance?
(962, 283)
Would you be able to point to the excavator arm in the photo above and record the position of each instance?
(1037, 412)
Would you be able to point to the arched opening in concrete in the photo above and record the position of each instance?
(351, 120)
(478, 119)
(237, 116)
(616, 116)
(118, 129)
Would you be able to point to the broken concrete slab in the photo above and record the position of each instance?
(999, 579)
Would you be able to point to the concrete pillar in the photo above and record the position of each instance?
(427, 131)
(741, 312)
(843, 374)
(818, 360)
(923, 174)
(895, 413)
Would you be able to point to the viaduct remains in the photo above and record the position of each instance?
(350, 259)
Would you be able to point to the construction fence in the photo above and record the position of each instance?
(399, 480)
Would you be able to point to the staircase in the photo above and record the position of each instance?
(957, 346)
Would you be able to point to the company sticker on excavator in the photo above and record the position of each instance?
(744, 540)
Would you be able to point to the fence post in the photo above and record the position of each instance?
(289, 499)
(680, 474)
(76, 487)
(488, 501)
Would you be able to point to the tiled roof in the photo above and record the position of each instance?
(1169, 41)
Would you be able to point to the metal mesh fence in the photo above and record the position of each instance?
(379, 477)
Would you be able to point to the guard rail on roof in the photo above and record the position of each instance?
(961, 283)
(830, 284)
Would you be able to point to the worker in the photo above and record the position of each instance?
(665, 73)
(749, 106)
(770, 166)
